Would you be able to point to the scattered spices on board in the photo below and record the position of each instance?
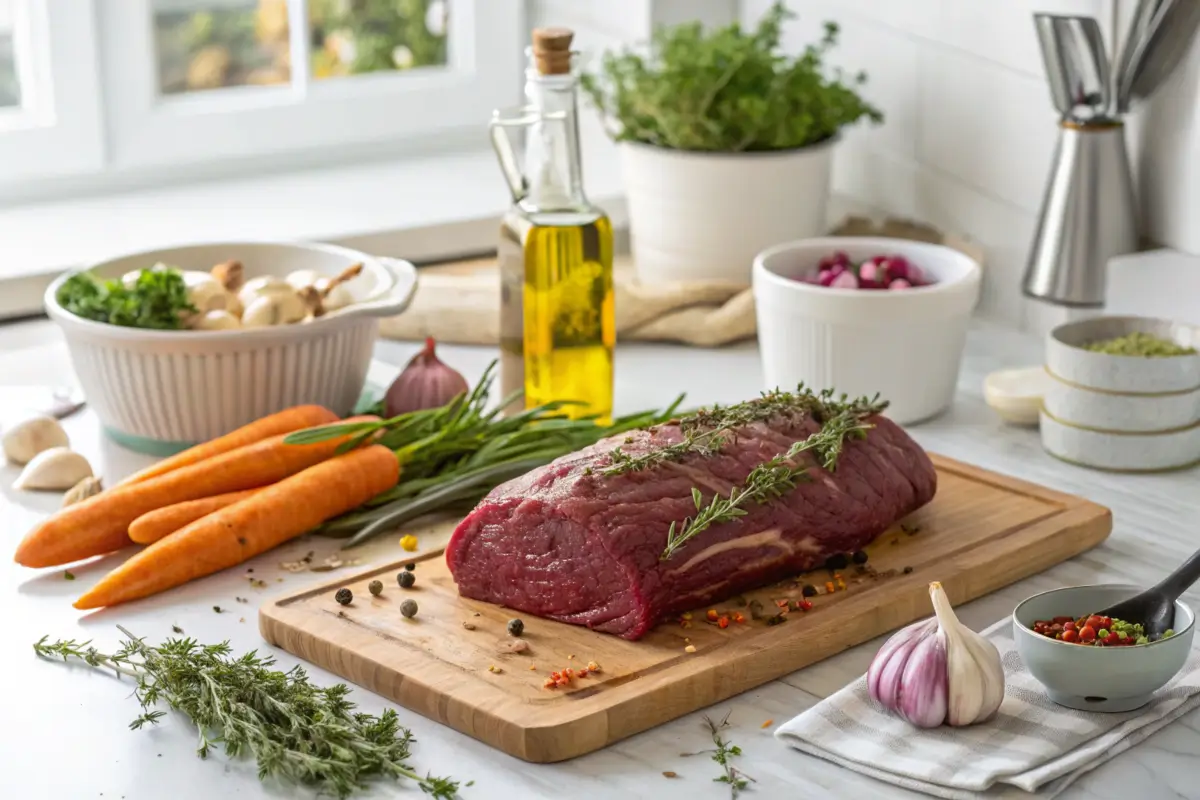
(344, 596)
(410, 566)
(375, 588)
(836, 561)
(515, 627)
(859, 557)
(408, 542)
(468, 626)
(593, 666)
(908, 570)
(829, 588)
(805, 605)
(408, 609)
(809, 590)
(711, 615)
(68, 575)
(406, 580)
(218, 609)
(910, 529)
(533, 666)
(691, 648)
(494, 668)
(756, 609)
(778, 619)
(516, 646)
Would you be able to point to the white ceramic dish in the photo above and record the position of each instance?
(1120, 413)
(1120, 452)
(158, 391)
(1017, 394)
(1068, 361)
(905, 345)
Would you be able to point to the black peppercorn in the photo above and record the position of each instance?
(406, 580)
(836, 561)
(410, 566)
(375, 588)
(344, 596)
(515, 627)
(809, 590)
(908, 570)
(408, 608)
(859, 557)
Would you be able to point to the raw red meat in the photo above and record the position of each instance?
(569, 543)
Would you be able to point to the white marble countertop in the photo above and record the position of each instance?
(64, 734)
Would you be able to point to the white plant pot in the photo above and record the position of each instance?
(698, 216)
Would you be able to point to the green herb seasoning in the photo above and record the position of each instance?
(1140, 344)
(299, 733)
(158, 299)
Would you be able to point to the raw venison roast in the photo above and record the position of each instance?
(581, 541)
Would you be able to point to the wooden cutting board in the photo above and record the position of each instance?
(982, 531)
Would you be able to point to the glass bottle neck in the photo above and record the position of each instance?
(552, 159)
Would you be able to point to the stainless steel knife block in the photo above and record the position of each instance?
(1089, 215)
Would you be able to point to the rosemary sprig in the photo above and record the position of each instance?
(298, 732)
(777, 476)
(724, 754)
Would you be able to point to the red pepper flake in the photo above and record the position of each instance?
(549, 683)
(767, 724)
(723, 622)
(533, 666)
(739, 618)
(593, 666)
(829, 587)
(805, 605)
(712, 615)
(686, 615)
(841, 584)
(782, 603)
(582, 673)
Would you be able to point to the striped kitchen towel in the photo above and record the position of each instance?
(1031, 745)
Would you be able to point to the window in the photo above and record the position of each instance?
(96, 87)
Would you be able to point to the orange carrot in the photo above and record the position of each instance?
(154, 525)
(100, 524)
(290, 419)
(238, 532)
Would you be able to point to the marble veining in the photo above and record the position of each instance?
(52, 712)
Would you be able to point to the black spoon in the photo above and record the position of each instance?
(1155, 607)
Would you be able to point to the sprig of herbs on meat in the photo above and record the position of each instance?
(706, 431)
(158, 299)
(723, 754)
(298, 732)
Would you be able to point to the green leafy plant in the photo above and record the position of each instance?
(727, 90)
(157, 299)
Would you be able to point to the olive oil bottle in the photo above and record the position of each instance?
(557, 321)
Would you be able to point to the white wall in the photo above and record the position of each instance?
(970, 128)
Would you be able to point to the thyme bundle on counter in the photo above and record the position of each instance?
(298, 732)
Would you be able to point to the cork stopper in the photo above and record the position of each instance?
(552, 50)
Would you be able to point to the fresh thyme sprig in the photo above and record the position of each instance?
(298, 732)
(706, 431)
(723, 755)
(776, 476)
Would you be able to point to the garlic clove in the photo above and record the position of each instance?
(337, 296)
(24, 439)
(88, 487)
(56, 469)
(230, 274)
(204, 291)
(924, 698)
(266, 284)
(275, 308)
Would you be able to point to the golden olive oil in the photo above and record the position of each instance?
(557, 320)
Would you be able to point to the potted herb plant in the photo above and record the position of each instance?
(726, 143)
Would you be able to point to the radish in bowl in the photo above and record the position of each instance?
(895, 272)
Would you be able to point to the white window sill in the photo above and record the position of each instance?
(425, 209)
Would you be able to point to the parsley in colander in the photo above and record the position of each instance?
(156, 300)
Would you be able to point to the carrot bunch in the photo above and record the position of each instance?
(213, 506)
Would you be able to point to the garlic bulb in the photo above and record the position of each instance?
(56, 469)
(938, 671)
(425, 383)
(88, 487)
(26, 438)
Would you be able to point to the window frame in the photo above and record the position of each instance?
(150, 130)
(57, 128)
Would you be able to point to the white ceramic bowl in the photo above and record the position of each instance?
(159, 391)
(1069, 361)
(905, 345)
(1120, 452)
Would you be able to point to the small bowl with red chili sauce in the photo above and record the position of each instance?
(1093, 663)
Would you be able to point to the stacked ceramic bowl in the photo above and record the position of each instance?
(1121, 408)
